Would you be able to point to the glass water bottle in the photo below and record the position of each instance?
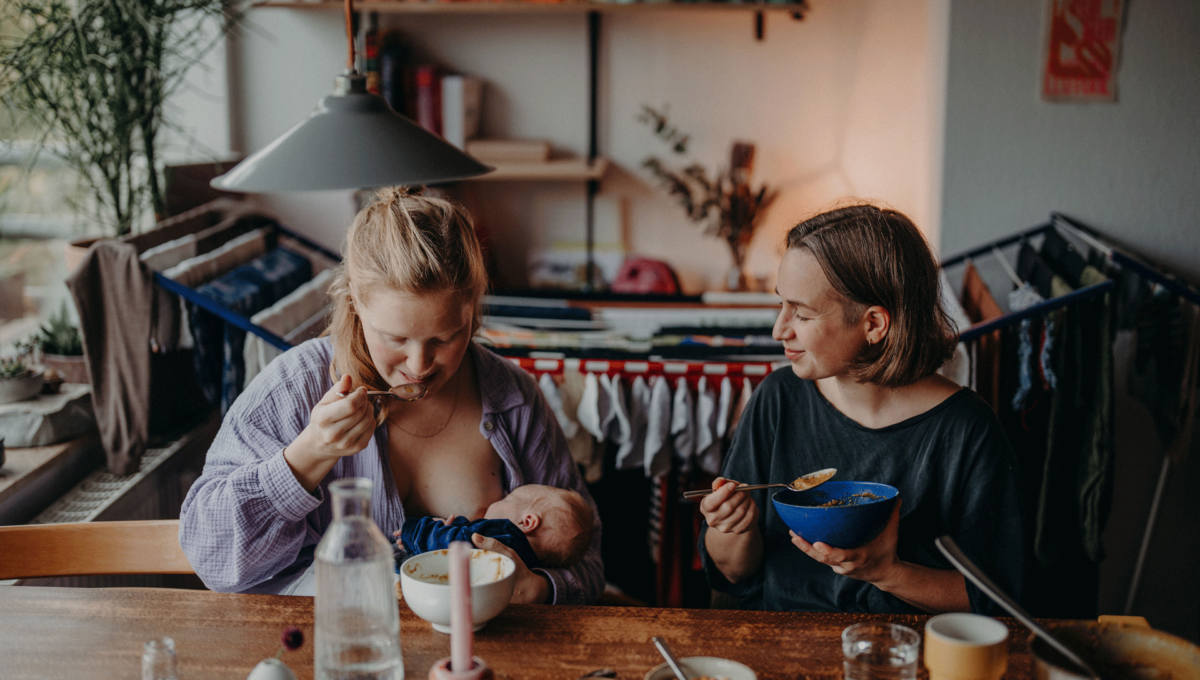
(357, 632)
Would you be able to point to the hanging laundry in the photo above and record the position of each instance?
(958, 368)
(708, 445)
(683, 425)
(980, 306)
(631, 455)
(724, 408)
(740, 407)
(554, 398)
(658, 428)
(594, 407)
(1019, 299)
(583, 447)
(618, 430)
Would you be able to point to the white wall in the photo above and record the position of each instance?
(1130, 169)
(843, 104)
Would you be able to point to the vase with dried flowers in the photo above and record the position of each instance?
(726, 203)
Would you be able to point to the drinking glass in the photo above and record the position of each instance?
(158, 660)
(880, 651)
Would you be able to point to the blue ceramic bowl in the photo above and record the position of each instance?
(859, 513)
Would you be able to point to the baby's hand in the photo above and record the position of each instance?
(448, 521)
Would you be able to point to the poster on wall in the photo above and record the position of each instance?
(1082, 44)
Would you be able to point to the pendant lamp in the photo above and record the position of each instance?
(353, 140)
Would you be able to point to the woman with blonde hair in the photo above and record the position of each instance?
(407, 302)
(863, 329)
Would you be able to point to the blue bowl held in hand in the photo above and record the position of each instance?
(839, 514)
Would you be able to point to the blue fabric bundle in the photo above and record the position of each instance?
(252, 287)
(422, 534)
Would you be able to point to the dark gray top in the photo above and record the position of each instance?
(954, 468)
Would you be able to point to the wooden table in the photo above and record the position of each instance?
(98, 633)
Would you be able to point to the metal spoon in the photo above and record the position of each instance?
(801, 483)
(663, 649)
(968, 568)
(407, 392)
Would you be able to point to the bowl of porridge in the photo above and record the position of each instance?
(425, 585)
(839, 514)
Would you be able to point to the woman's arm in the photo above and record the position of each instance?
(247, 517)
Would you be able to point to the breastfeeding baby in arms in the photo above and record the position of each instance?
(544, 525)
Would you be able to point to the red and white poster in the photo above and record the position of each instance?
(1082, 44)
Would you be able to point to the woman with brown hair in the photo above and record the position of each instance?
(863, 328)
(407, 302)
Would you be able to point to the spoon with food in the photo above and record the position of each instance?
(801, 483)
(406, 392)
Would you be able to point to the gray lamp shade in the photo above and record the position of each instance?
(351, 141)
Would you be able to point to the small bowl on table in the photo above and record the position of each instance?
(425, 583)
(839, 514)
(704, 667)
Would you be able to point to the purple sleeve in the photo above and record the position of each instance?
(244, 519)
(545, 459)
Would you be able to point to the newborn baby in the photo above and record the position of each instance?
(546, 527)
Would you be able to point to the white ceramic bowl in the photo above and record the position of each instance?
(22, 387)
(425, 583)
(700, 666)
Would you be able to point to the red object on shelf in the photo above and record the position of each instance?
(429, 98)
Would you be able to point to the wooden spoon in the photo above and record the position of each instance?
(801, 483)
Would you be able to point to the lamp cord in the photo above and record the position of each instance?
(350, 33)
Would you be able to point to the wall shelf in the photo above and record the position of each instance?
(576, 169)
(527, 7)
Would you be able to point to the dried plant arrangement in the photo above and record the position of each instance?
(725, 202)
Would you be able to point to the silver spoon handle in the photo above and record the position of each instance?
(968, 568)
(663, 649)
(699, 493)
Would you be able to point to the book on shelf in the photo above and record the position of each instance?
(428, 97)
(462, 102)
(509, 150)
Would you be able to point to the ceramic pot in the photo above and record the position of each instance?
(21, 387)
(73, 369)
(74, 251)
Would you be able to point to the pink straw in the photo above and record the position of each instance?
(461, 634)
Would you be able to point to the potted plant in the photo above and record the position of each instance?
(18, 381)
(89, 79)
(726, 202)
(60, 346)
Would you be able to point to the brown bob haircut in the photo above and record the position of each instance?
(874, 256)
(403, 243)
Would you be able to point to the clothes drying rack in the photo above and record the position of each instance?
(1123, 259)
(1012, 318)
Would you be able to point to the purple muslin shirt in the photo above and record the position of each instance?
(247, 525)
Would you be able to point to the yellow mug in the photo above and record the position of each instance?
(965, 647)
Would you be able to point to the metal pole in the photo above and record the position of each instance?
(593, 186)
(1141, 560)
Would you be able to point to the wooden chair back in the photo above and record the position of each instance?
(92, 548)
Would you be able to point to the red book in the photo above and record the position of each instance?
(429, 98)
